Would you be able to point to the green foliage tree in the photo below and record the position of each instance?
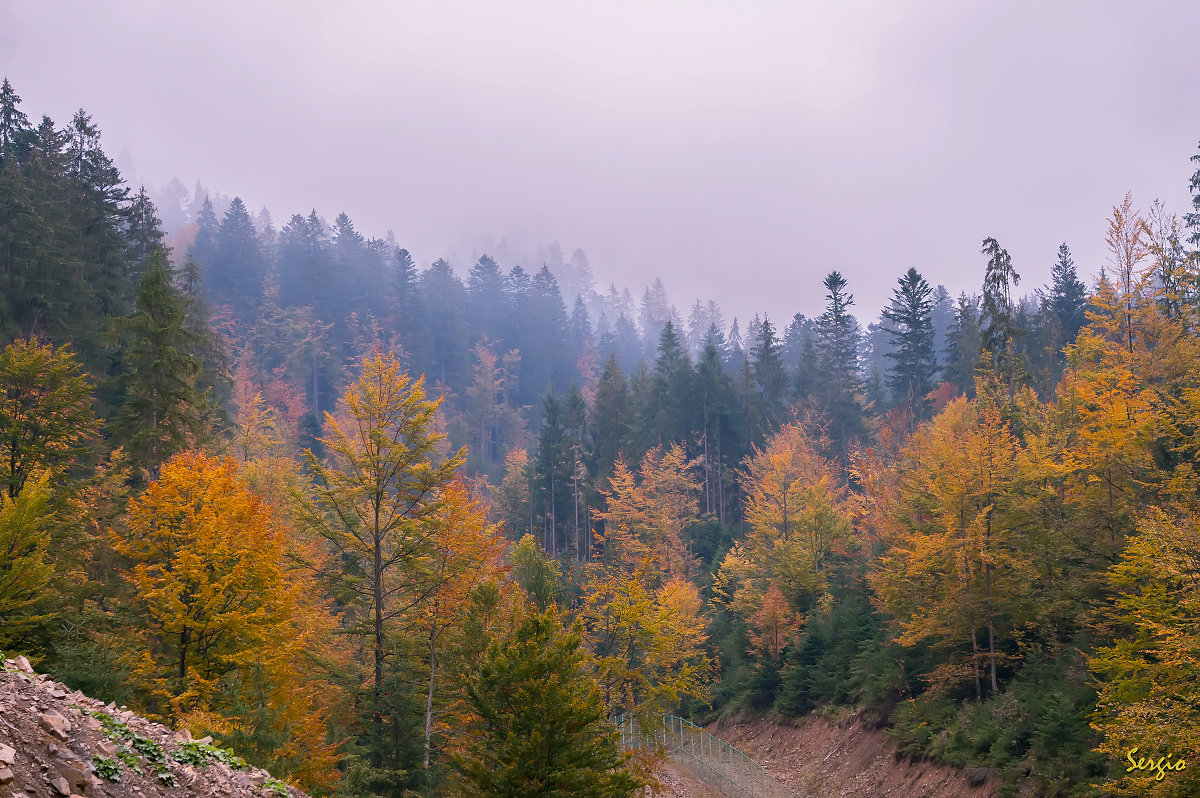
(840, 391)
(914, 361)
(163, 410)
(540, 726)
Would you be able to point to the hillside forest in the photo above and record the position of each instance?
(388, 528)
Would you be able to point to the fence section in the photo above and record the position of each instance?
(709, 758)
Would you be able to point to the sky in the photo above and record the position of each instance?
(739, 150)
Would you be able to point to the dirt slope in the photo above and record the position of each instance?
(55, 743)
(821, 758)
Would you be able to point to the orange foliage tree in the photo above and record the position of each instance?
(230, 632)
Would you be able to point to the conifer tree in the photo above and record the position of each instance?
(839, 391)
(997, 318)
(964, 346)
(770, 377)
(609, 420)
(163, 409)
(913, 357)
(540, 726)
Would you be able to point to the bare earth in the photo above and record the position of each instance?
(821, 758)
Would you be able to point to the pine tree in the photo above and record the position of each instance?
(770, 377)
(1068, 295)
(1191, 219)
(144, 235)
(997, 317)
(540, 726)
(237, 274)
(554, 473)
(14, 124)
(840, 391)
(965, 344)
(610, 419)
(914, 360)
(163, 409)
(672, 390)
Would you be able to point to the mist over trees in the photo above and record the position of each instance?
(972, 520)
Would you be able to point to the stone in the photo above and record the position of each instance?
(258, 778)
(7, 754)
(61, 786)
(6, 775)
(56, 693)
(206, 740)
(107, 748)
(77, 773)
(23, 665)
(56, 725)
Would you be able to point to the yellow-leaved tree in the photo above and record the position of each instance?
(1150, 675)
(956, 572)
(797, 512)
(643, 618)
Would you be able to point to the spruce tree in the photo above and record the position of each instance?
(997, 320)
(839, 391)
(913, 357)
(771, 380)
(1067, 296)
(539, 725)
(236, 277)
(143, 235)
(609, 420)
(964, 345)
(163, 409)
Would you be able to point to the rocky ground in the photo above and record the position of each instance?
(56, 743)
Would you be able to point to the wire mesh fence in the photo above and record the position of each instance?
(709, 758)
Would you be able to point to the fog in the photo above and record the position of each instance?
(738, 150)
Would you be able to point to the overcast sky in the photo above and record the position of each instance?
(740, 150)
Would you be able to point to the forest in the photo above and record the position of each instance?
(394, 529)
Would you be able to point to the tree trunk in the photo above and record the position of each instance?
(429, 695)
(377, 586)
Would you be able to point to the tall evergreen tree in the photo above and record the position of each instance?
(771, 380)
(15, 130)
(237, 273)
(964, 346)
(610, 419)
(163, 410)
(553, 473)
(839, 393)
(914, 359)
(671, 396)
(997, 318)
(539, 725)
(1067, 295)
(144, 235)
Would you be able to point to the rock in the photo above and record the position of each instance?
(92, 723)
(61, 786)
(6, 775)
(23, 665)
(55, 724)
(77, 773)
(258, 778)
(7, 754)
(56, 693)
(206, 740)
(183, 736)
(107, 748)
